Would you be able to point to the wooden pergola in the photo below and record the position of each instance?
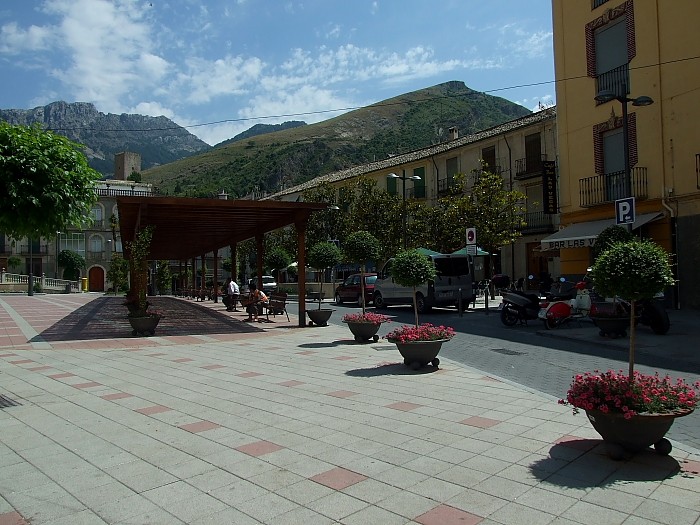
(186, 228)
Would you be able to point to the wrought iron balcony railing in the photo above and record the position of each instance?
(537, 222)
(616, 80)
(446, 185)
(609, 187)
(529, 167)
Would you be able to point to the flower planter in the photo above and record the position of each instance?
(364, 331)
(319, 317)
(417, 354)
(634, 434)
(144, 325)
(612, 326)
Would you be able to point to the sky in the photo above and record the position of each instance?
(218, 67)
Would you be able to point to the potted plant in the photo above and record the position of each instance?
(361, 247)
(321, 256)
(420, 345)
(142, 320)
(631, 412)
(364, 326)
(623, 409)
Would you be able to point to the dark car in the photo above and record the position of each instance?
(350, 289)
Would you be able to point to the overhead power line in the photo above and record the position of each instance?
(352, 108)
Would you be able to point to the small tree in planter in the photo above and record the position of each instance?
(633, 270)
(71, 263)
(412, 268)
(608, 237)
(359, 248)
(321, 256)
(139, 250)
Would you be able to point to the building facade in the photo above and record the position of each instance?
(614, 58)
(520, 150)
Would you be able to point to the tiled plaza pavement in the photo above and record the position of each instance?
(217, 421)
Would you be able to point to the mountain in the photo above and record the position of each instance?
(157, 139)
(288, 157)
(261, 129)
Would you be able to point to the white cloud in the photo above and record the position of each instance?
(205, 80)
(15, 40)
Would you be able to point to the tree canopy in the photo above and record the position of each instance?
(46, 184)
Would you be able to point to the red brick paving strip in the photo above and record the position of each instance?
(338, 478)
(481, 422)
(12, 518)
(155, 409)
(213, 367)
(342, 393)
(61, 376)
(446, 515)
(249, 374)
(91, 384)
(120, 395)
(291, 383)
(403, 406)
(199, 426)
(259, 448)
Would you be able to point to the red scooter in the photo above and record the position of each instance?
(570, 302)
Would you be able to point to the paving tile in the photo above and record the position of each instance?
(404, 406)
(199, 426)
(114, 397)
(446, 515)
(374, 515)
(90, 384)
(267, 507)
(12, 518)
(337, 505)
(259, 448)
(155, 409)
(342, 393)
(480, 422)
(338, 478)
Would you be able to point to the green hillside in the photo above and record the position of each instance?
(270, 161)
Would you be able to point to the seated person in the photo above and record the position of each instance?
(232, 294)
(254, 302)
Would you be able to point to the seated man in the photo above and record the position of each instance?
(254, 302)
(232, 295)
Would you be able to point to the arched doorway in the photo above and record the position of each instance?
(96, 279)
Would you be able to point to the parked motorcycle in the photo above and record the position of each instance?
(518, 307)
(649, 312)
(572, 302)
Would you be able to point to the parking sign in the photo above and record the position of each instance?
(624, 211)
(471, 236)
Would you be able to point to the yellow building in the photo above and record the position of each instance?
(639, 58)
(519, 150)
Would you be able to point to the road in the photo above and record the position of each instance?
(547, 364)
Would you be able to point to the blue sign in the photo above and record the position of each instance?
(624, 211)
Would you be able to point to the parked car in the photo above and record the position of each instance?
(350, 290)
(269, 283)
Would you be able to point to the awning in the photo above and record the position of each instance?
(584, 234)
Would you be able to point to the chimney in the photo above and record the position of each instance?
(454, 134)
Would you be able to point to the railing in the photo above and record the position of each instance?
(96, 224)
(14, 280)
(611, 186)
(537, 221)
(529, 167)
(112, 192)
(446, 185)
(415, 193)
(42, 249)
(96, 256)
(616, 80)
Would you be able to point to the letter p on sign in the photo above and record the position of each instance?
(624, 211)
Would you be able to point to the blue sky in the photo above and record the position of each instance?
(250, 61)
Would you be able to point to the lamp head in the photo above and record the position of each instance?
(643, 101)
(605, 95)
(414, 177)
(333, 207)
(392, 176)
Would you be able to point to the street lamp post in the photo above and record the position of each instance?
(55, 272)
(404, 178)
(606, 95)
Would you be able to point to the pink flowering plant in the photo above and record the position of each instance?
(366, 318)
(614, 392)
(424, 332)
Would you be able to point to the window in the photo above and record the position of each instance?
(419, 185)
(96, 216)
(452, 169)
(74, 242)
(391, 185)
(610, 47)
(96, 244)
(614, 164)
(488, 155)
(533, 153)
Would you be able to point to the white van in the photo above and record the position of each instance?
(454, 280)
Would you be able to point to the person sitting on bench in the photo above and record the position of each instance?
(232, 293)
(254, 303)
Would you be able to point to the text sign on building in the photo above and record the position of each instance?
(549, 186)
(569, 243)
(624, 211)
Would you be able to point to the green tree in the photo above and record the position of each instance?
(163, 276)
(608, 237)
(361, 247)
(13, 262)
(134, 176)
(321, 256)
(71, 263)
(412, 268)
(118, 272)
(278, 258)
(46, 184)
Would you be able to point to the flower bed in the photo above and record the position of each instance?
(424, 332)
(366, 318)
(613, 392)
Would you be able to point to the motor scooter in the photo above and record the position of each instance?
(565, 305)
(518, 306)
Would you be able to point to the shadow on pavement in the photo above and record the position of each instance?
(390, 369)
(106, 318)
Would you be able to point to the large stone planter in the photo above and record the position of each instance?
(144, 325)
(634, 434)
(364, 331)
(417, 354)
(612, 326)
(319, 316)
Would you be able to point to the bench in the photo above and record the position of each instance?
(276, 304)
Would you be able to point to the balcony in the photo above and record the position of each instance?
(616, 80)
(36, 250)
(538, 222)
(97, 224)
(529, 168)
(446, 185)
(97, 256)
(607, 188)
(123, 192)
(415, 193)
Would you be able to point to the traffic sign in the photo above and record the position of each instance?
(624, 211)
(471, 236)
(471, 249)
